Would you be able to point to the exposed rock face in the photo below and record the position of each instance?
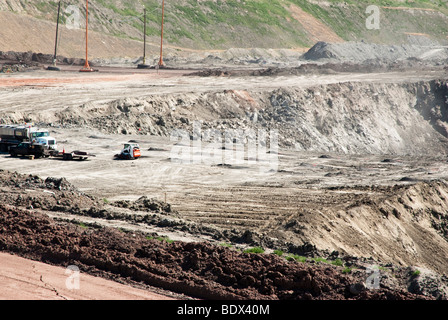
(352, 118)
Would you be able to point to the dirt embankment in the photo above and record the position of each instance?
(23, 33)
(355, 118)
(414, 217)
(418, 47)
(197, 269)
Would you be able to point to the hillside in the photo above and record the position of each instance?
(117, 25)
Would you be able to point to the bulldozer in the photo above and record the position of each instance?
(130, 151)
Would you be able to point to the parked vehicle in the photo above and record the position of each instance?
(14, 134)
(29, 149)
(130, 151)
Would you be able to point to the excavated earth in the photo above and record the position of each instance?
(358, 182)
(197, 269)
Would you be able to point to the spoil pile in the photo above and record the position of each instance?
(197, 269)
(361, 51)
(12, 61)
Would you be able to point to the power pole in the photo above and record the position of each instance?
(143, 65)
(161, 64)
(87, 67)
(53, 67)
(144, 37)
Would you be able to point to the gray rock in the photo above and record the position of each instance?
(428, 283)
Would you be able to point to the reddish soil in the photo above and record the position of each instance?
(198, 270)
(24, 279)
(70, 75)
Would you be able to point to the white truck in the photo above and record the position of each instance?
(14, 134)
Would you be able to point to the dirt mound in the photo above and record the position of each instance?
(36, 60)
(197, 269)
(17, 62)
(361, 51)
(27, 57)
(145, 203)
(367, 66)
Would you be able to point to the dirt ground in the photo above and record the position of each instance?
(368, 209)
(24, 279)
(196, 269)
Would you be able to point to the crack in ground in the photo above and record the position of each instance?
(48, 286)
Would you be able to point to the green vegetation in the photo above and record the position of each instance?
(319, 259)
(338, 262)
(254, 250)
(219, 24)
(416, 273)
(163, 239)
(83, 225)
(295, 257)
(279, 252)
(347, 270)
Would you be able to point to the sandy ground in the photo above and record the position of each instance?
(23, 279)
(50, 91)
(240, 197)
(244, 197)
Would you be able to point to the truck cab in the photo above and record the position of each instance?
(43, 137)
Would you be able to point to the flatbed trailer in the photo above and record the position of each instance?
(38, 151)
(74, 155)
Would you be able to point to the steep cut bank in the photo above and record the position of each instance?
(352, 118)
(401, 224)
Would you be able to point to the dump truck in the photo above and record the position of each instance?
(14, 134)
(33, 142)
(130, 151)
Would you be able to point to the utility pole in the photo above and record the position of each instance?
(144, 37)
(87, 67)
(53, 67)
(161, 64)
(143, 65)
